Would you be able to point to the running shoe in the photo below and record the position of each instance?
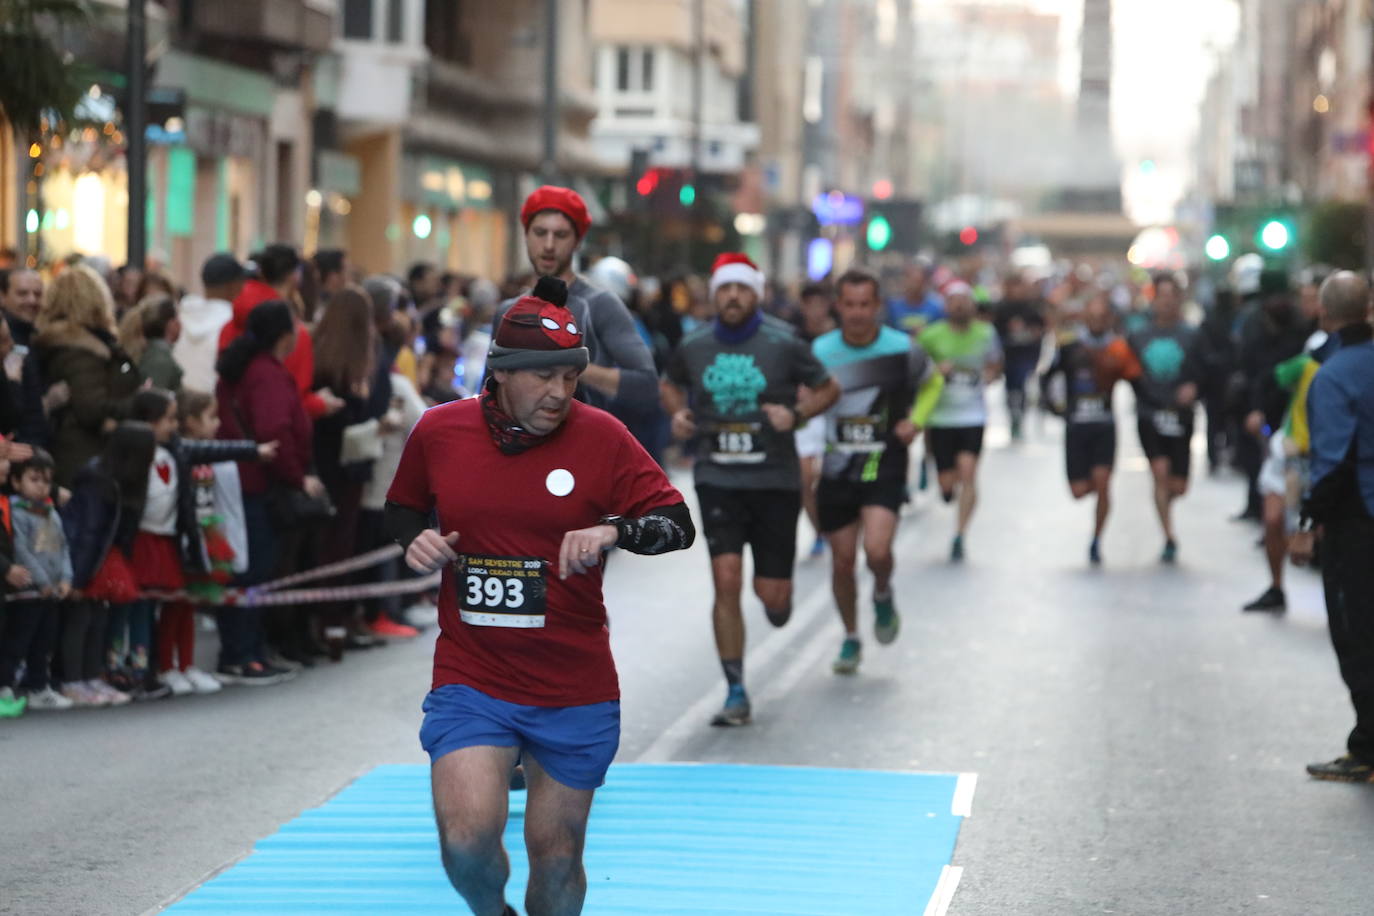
(113, 695)
(49, 700)
(851, 653)
(956, 550)
(385, 626)
(178, 682)
(1095, 553)
(201, 682)
(1170, 552)
(736, 710)
(887, 623)
(818, 547)
(11, 706)
(82, 695)
(1272, 600)
(1343, 769)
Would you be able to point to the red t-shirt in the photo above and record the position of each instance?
(509, 626)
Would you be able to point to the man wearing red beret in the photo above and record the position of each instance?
(620, 377)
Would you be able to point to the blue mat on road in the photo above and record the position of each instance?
(664, 839)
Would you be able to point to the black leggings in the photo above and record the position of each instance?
(83, 640)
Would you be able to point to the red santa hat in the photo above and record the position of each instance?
(736, 268)
(538, 331)
(561, 200)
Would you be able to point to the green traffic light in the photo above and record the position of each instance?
(1218, 249)
(879, 232)
(1275, 235)
(688, 195)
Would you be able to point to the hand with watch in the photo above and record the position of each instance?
(782, 418)
(582, 549)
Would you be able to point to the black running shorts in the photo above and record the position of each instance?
(766, 520)
(1178, 449)
(945, 443)
(840, 502)
(1088, 446)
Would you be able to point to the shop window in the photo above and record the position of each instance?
(357, 19)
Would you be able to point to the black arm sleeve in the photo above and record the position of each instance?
(403, 524)
(658, 531)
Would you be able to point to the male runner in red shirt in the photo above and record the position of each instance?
(530, 488)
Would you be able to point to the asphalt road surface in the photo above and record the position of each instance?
(1139, 743)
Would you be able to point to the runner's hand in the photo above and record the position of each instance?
(684, 425)
(781, 418)
(1187, 394)
(906, 431)
(431, 551)
(1301, 546)
(582, 549)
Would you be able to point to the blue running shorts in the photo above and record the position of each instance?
(574, 744)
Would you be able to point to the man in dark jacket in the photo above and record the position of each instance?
(1340, 411)
(21, 297)
(1272, 334)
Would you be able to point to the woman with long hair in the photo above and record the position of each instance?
(346, 359)
(258, 399)
(75, 343)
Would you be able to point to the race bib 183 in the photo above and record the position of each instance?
(501, 591)
(737, 443)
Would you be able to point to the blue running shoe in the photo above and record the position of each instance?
(736, 709)
(851, 653)
(1170, 553)
(887, 623)
(818, 548)
(956, 550)
(1095, 553)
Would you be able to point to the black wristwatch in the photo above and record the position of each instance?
(620, 523)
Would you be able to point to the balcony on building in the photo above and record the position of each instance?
(275, 24)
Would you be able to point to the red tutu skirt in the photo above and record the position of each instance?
(114, 580)
(157, 562)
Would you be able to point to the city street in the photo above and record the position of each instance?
(1139, 743)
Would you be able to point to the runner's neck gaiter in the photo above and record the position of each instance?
(510, 437)
(726, 334)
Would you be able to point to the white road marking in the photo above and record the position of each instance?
(943, 895)
(696, 717)
(962, 803)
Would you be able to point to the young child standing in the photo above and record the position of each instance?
(40, 548)
(14, 576)
(101, 522)
(178, 538)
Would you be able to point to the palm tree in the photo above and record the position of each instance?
(36, 76)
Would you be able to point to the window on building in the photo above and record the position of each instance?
(395, 22)
(622, 69)
(646, 81)
(445, 34)
(357, 19)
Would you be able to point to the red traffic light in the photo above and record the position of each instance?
(968, 235)
(648, 182)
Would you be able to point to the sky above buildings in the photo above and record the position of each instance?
(1164, 52)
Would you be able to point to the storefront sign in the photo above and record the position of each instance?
(450, 184)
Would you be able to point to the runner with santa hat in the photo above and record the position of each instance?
(530, 488)
(732, 390)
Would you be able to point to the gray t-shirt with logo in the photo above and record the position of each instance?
(727, 384)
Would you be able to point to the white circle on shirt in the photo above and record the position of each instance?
(560, 482)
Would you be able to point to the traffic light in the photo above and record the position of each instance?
(687, 195)
(879, 232)
(968, 236)
(1217, 248)
(647, 183)
(1275, 235)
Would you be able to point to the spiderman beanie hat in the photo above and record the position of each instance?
(538, 331)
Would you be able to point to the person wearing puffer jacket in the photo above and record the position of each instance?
(204, 317)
